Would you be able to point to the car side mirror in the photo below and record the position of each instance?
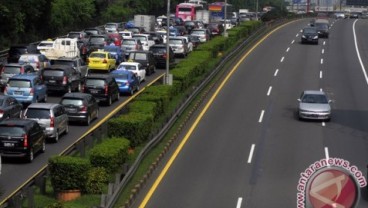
(299, 100)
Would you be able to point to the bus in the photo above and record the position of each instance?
(203, 3)
(217, 11)
(187, 11)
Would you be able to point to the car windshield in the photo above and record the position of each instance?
(11, 70)
(138, 56)
(19, 83)
(175, 41)
(309, 30)
(111, 25)
(95, 82)
(310, 98)
(322, 26)
(53, 72)
(128, 42)
(141, 38)
(28, 59)
(198, 32)
(97, 40)
(97, 55)
(38, 113)
(11, 131)
(158, 50)
(112, 49)
(127, 67)
(63, 62)
(71, 101)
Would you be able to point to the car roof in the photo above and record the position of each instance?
(132, 63)
(76, 95)
(158, 46)
(59, 66)
(104, 52)
(24, 76)
(122, 72)
(42, 105)
(98, 76)
(147, 52)
(18, 122)
(314, 92)
(16, 64)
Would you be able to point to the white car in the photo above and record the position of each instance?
(126, 34)
(189, 43)
(145, 39)
(44, 45)
(135, 67)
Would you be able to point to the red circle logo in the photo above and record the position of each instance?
(332, 188)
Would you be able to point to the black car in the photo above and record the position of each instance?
(96, 42)
(80, 107)
(160, 54)
(157, 37)
(103, 87)
(216, 28)
(9, 107)
(21, 138)
(322, 28)
(195, 40)
(145, 58)
(190, 25)
(310, 35)
(62, 78)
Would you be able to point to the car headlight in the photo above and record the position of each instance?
(303, 36)
(315, 37)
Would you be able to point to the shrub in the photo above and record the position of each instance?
(97, 177)
(110, 154)
(68, 173)
(134, 126)
(142, 106)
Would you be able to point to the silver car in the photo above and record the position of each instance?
(314, 104)
(51, 116)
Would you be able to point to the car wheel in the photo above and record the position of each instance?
(56, 139)
(30, 156)
(88, 121)
(109, 101)
(45, 98)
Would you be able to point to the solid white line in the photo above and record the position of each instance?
(261, 117)
(269, 91)
(327, 155)
(287, 50)
(323, 51)
(238, 205)
(321, 60)
(251, 153)
(292, 42)
(324, 42)
(320, 74)
(275, 74)
(282, 59)
(357, 51)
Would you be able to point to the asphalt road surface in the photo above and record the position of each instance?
(247, 147)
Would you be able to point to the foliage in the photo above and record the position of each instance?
(110, 154)
(96, 179)
(68, 173)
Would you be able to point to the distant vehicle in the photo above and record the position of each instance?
(81, 107)
(187, 11)
(217, 11)
(355, 15)
(339, 15)
(179, 46)
(80, 35)
(16, 51)
(145, 21)
(203, 15)
(126, 34)
(10, 70)
(145, 39)
(216, 28)
(146, 58)
(96, 42)
(160, 54)
(323, 27)
(134, 67)
(113, 27)
(136, 30)
(116, 52)
(131, 44)
(92, 31)
(173, 32)
(101, 60)
(45, 45)
(203, 34)
(314, 104)
(26, 88)
(114, 39)
(127, 81)
(38, 61)
(190, 25)
(103, 87)
(77, 63)
(194, 40)
(21, 138)
(62, 78)
(156, 37)
(309, 35)
(63, 47)
(9, 107)
(50, 116)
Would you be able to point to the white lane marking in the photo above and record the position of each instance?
(297, 35)
(251, 153)
(282, 59)
(324, 42)
(320, 74)
(321, 60)
(238, 204)
(358, 54)
(269, 91)
(292, 42)
(323, 123)
(275, 74)
(287, 50)
(327, 155)
(323, 51)
(261, 116)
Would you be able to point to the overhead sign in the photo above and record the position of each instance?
(357, 2)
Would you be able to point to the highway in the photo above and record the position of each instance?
(247, 147)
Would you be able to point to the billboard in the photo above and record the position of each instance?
(357, 2)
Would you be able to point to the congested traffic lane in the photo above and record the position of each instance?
(247, 147)
(15, 173)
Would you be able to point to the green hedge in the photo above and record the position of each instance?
(68, 173)
(134, 126)
(160, 94)
(110, 154)
(142, 106)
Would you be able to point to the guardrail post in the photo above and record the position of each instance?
(30, 197)
(40, 182)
